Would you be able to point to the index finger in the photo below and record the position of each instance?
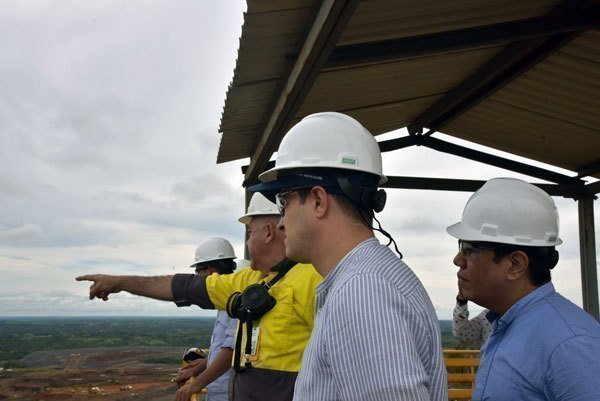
(87, 277)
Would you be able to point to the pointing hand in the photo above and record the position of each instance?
(102, 286)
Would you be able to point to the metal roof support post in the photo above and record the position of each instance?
(247, 197)
(587, 249)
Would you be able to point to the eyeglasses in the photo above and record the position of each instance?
(466, 249)
(280, 200)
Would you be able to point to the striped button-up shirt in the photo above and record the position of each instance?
(223, 336)
(376, 335)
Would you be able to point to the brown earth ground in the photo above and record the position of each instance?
(108, 374)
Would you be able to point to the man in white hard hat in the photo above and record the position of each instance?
(212, 256)
(376, 334)
(274, 299)
(268, 364)
(542, 346)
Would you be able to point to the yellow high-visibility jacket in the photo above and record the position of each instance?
(283, 332)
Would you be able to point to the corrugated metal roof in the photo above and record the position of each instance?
(547, 112)
(550, 114)
(271, 35)
(402, 89)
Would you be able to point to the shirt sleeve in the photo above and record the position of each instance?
(573, 373)
(230, 333)
(371, 344)
(190, 289)
(221, 286)
(476, 329)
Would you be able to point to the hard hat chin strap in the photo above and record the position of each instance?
(388, 236)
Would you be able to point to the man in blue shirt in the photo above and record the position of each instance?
(542, 346)
(213, 256)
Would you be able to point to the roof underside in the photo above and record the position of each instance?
(521, 77)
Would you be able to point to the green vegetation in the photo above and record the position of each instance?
(448, 340)
(21, 336)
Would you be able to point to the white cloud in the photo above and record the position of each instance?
(23, 233)
(109, 120)
(109, 115)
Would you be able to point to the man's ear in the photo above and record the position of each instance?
(519, 265)
(320, 200)
(270, 231)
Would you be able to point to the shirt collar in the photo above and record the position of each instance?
(522, 304)
(338, 270)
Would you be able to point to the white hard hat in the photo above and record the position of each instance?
(509, 211)
(213, 249)
(259, 205)
(327, 140)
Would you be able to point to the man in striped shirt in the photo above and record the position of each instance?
(376, 335)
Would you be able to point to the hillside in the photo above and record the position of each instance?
(92, 359)
(109, 359)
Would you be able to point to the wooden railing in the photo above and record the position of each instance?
(462, 367)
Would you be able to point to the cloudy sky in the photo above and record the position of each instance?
(109, 115)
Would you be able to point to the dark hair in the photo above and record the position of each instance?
(359, 199)
(303, 194)
(541, 260)
(349, 207)
(223, 266)
(354, 210)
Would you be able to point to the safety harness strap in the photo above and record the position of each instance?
(282, 268)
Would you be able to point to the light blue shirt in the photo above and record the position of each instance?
(376, 335)
(543, 348)
(223, 336)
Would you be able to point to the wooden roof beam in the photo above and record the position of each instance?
(509, 64)
(592, 169)
(327, 27)
(424, 45)
(593, 189)
(461, 99)
(449, 184)
(482, 157)
(475, 155)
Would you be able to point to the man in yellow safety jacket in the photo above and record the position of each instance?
(275, 297)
